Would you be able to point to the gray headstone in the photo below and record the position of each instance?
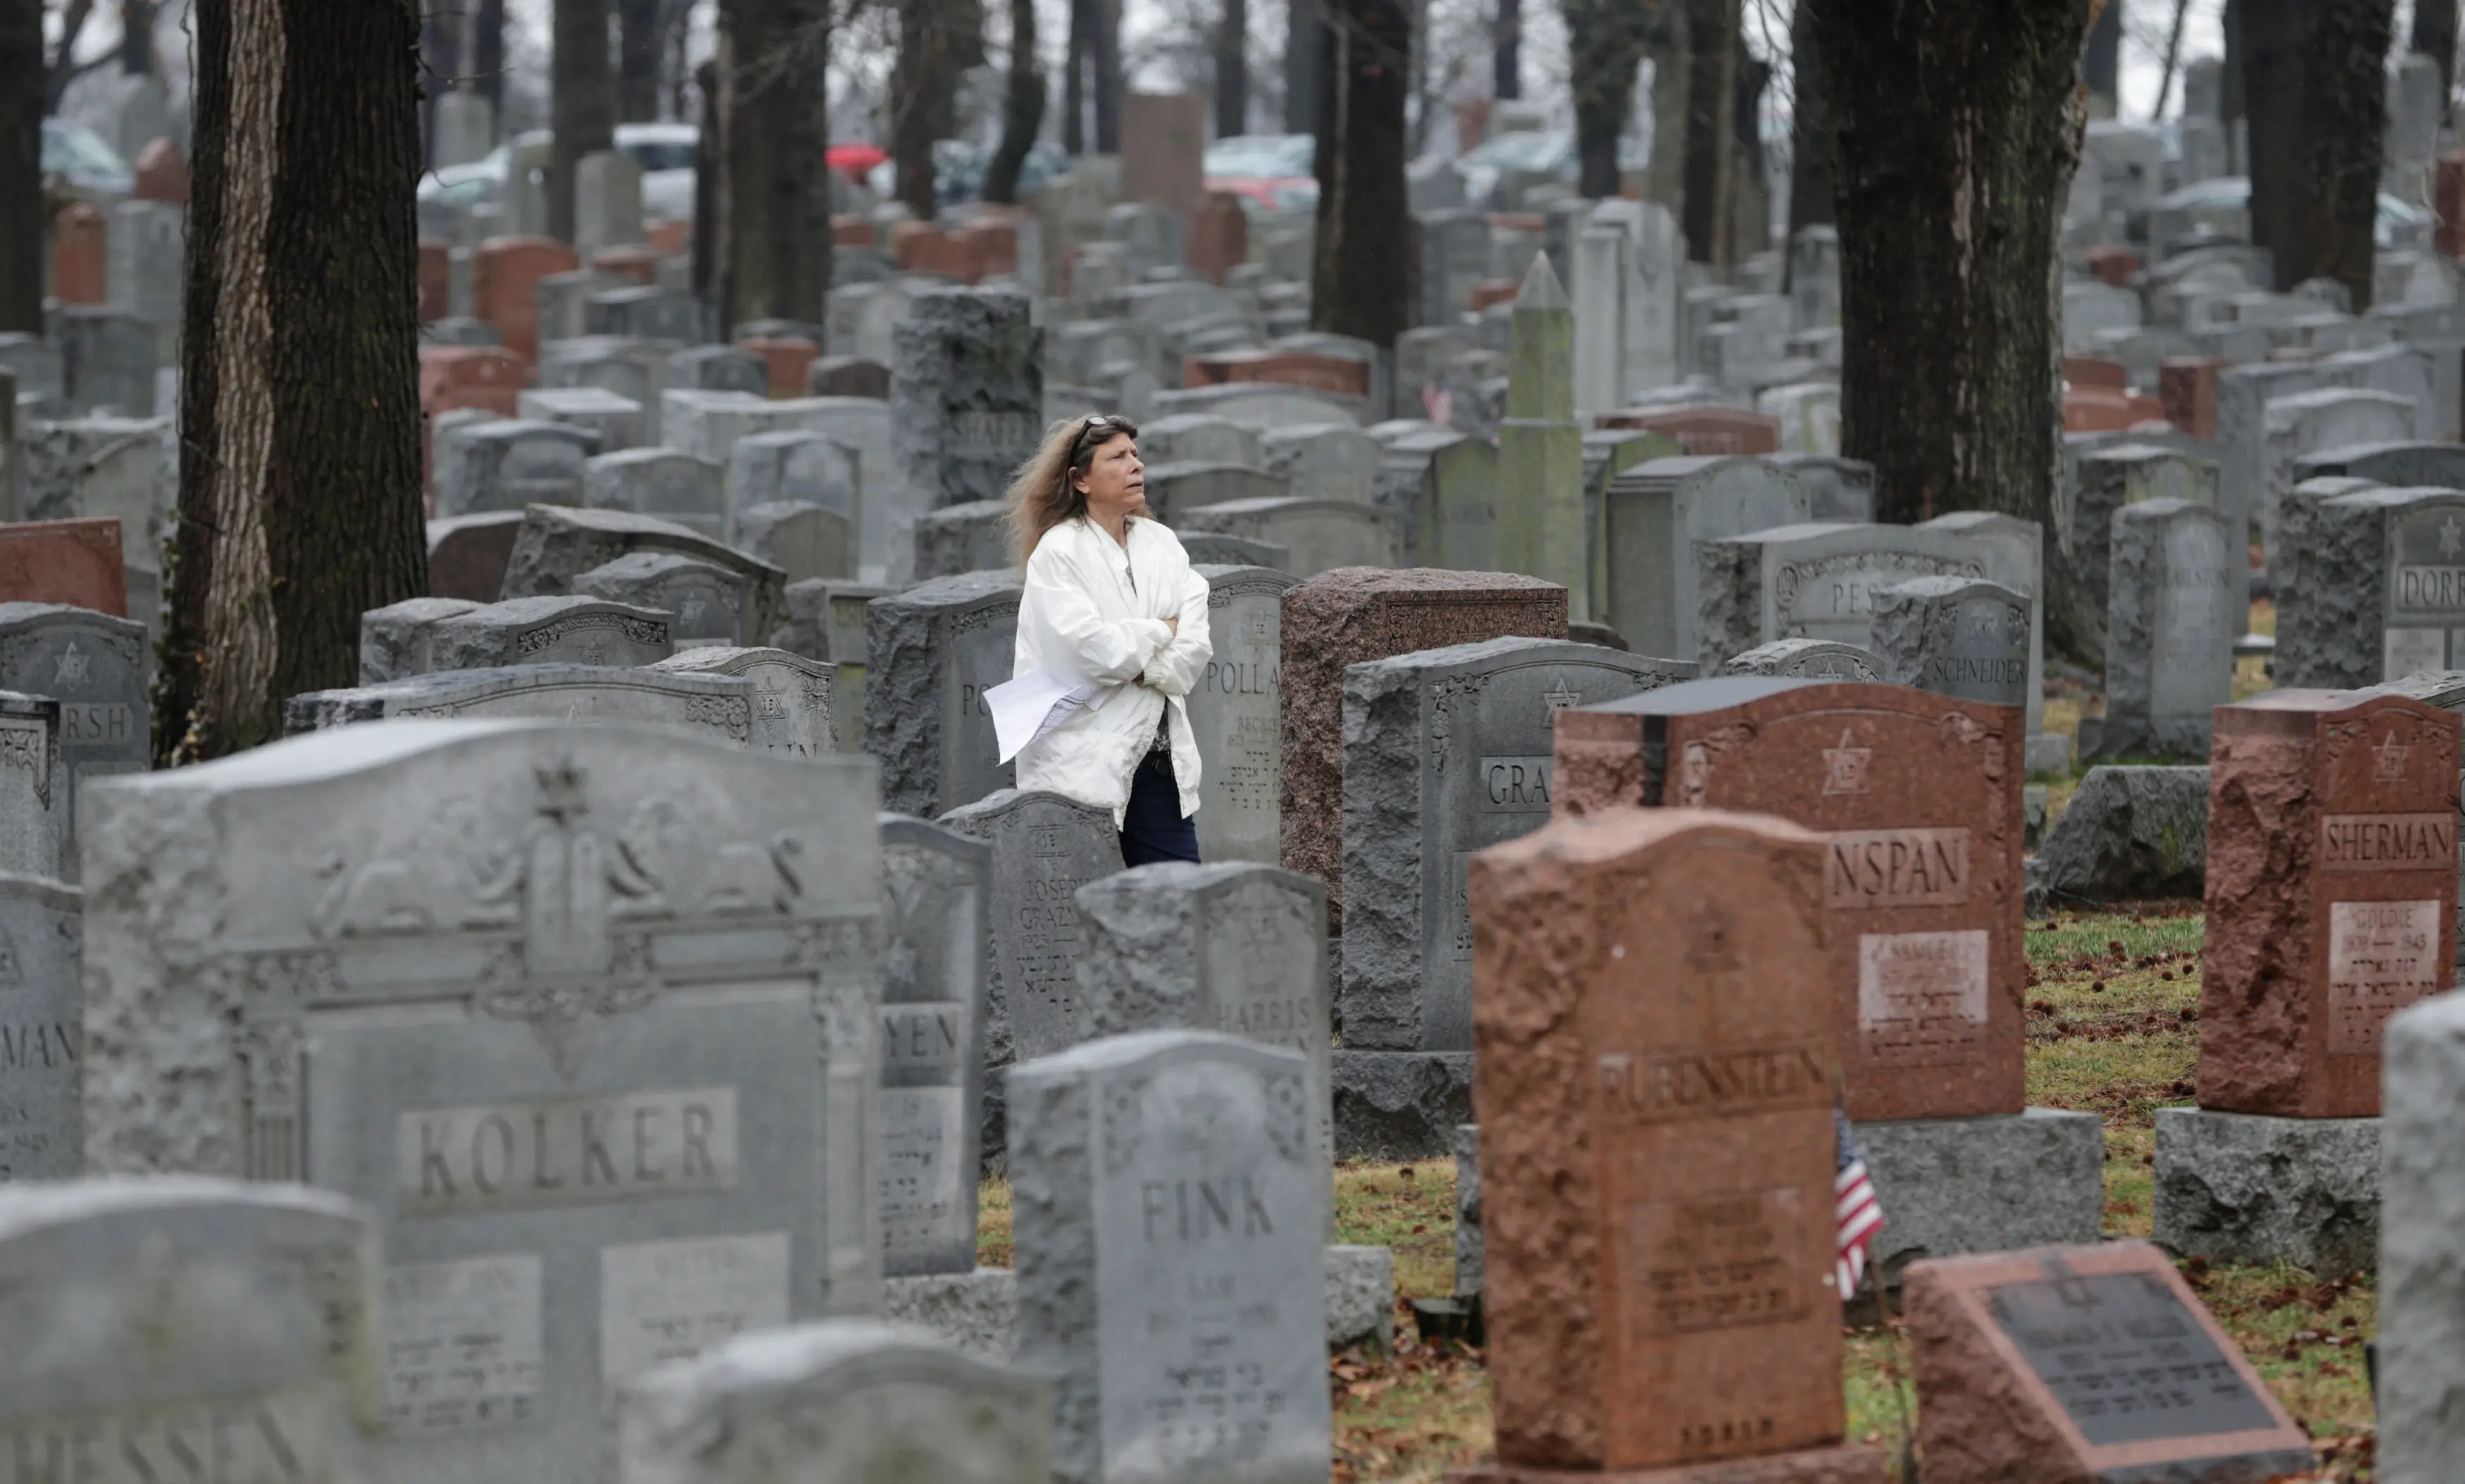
(967, 392)
(585, 1015)
(2122, 475)
(647, 312)
(718, 368)
(1237, 713)
(1197, 438)
(1653, 518)
(42, 1038)
(463, 330)
(556, 545)
(791, 695)
(2169, 630)
(968, 538)
(2305, 422)
(38, 361)
(1322, 534)
(1447, 752)
(1812, 581)
(1237, 947)
(828, 620)
(2013, 551)
(707, 600)
(1265, 405)
(2420, 1436)
(563, 299)
(35, 801)
(579, 630)
(1836, 488)
(107, 359)
(1176, 489)
(636, 369)
(1457, 514)
(1957, 637)
(931, 653)
(1329, 462)
(808, 468)
(509, 463)
(191, 1328)
(715, 707)
(1167, 1234)
(395, 640)
(802, 540)
(846, 1400)
(1807, 660)
(936, 901)
(617, 420)
(2386, 564)
(662, 483)
(2396, 464)
(1214, 548)
(100, 670)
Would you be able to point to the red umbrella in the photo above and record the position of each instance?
(854, 159)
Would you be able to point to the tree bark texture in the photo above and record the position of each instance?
(22, 216)
(582, 103)
(1022, 106)
(1711, 113)
(1605, 44)
(137, 36)
(1306, 51)
(1957, 132)
(1810, 142)
(773, 216)
(299, 473)
(641, 33)
(916, 83)
(2317, 100)
(1232, 69)
(2230, 106)
(1364, 214)
(1074, 82)
(1506, 51)
(488, 56)
(2435, 36)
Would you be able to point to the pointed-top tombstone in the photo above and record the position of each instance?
(1541, 347)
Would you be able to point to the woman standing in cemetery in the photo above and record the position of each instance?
(1113, 610)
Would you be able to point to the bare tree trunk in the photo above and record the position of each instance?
(1073, 81)
(488, 56)
(2435, 36)
(1810, 142)
(1232, 69)
(1022, 106)
(641, 35)
(1957, 132)
(1711, 112)
(137, 36)
(1305, 52)
(2101, 59)
(22, 216)
(1107, 56)
(1604, 42)
(299, 482)
(582, 103)
(440, 62)
(2173, 59)
(772, 229)
(1506, 51)
(916, 83)
(63, 68)
(1672, 69)
(710, 173)
(1363, 213)
(2318, 98)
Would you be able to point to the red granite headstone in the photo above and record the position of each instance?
(2331, 894)
(436, 280)
(2097, 371)
(847, 376)
(635, 261)
(504, 286)
(921, 248)
(1654, 1082)
(1493, 291)
(1219, 235)
(991, 241)
(2082, 1364)
(852, 231)
(1918, 796)
(486, 377)
(2187, 390)
(2448, 204)
(161, 174)
(1285, 367)
(2114, 265)
(788, 356)
(1703, 430)
(81, 256)
(2104, 409)
(73, 561)
(467, 555)
(1355, 613)
(668, 236)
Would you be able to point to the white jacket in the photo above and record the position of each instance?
(1093, 612)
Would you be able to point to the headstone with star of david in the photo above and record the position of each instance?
(1918, 796)
(587, 1017)
(2332, 892)
(791, 695)
(100, 670)
(2382, 585)
(1447, 751)
(707, 600)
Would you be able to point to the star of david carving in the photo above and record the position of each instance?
(1560, 695)
(2450, 538)
(70, 666)
(1843, 766)
(2390, 754)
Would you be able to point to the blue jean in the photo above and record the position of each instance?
(1154, 827)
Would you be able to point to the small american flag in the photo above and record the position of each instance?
(1857, 1211)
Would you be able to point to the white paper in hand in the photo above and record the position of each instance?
(1035, 703)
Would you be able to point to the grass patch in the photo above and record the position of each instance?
(1410, 1208)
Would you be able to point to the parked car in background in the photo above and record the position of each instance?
(959, 169)
(78, 156)
(1276, 172)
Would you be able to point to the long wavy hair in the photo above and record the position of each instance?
(1044, 493)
